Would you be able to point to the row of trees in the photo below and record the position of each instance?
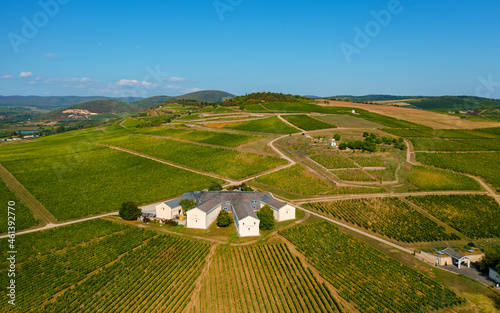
(370, 143)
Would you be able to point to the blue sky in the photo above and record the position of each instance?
(324, 48)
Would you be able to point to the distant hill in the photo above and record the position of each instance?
(206, 96)
(371, 98)
(52, 102)
(85, 109)
(152, 101)
(454, 103)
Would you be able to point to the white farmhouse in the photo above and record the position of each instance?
(242, 205)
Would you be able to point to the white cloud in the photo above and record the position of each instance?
(133, 83)
(25, 74)
(7, 77)
(85, 80)
(38, 78)
(193, 90)
(176, 79)
(50, 55)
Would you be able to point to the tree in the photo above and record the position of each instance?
(491, 258)
(343, 146)
(187, 204)
(129, 211)
(215, 186)
(336, 137)
(223, 219)
(266, 217)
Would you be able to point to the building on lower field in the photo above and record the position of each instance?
(242, 205)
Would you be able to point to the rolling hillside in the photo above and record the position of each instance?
(206, 96)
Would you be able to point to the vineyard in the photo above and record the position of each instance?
(476, 216)
(267, 125)
(23, 218)
(209, 137)
(129, 283)
(356, 174)
(366, 277)
(262, 279)
(225, 162)
(42, 149)
(432, 179)
(40, 278)
(80, 184)
(480, 164)
(50, 240)
(444, 133)
(307, 123)
(389, 217)
(331, 161)
(297, 180)
(449, 145)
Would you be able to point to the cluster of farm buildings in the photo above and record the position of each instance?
(242, 205)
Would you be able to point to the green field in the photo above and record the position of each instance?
(113, 275)
(488, 133)
(23, 218)
(40, 278)
(265, 278)
(225, 162)
(98, 181)
(476, 216)
(42, 149)
(480, 164)
(390, 217)
(48, 241)
(455, 145)
(297, 181)
(333, 161)
(433, 179)
(306, 122)
(366, 277)
(267, 125)
(355, 174)
(203, 136)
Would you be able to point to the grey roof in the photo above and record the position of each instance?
(454, 254)
(273, 203)
(242, 209)
(209, 205)
(239, 201)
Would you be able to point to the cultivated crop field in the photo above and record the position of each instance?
(355, 174)
(432, 179)
(39, 278)
(23, 216)
(51, 240)
(264, 278)
(225, 162)
(333, 161)
(98, 181)
(480, 164)
(213, 138)
(266, 125)
(476, 216)
(306, 122)
(130, 284)
(297, 180)
(420, 144)
(390, 217)
(371, 280)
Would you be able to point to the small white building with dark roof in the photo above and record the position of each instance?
(457, 257)
(242, 205)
